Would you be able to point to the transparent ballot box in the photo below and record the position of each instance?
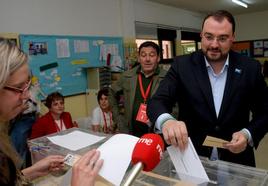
(219, 172)
(42, 146)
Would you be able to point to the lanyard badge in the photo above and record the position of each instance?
(142, 114)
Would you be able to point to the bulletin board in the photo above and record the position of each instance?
(252, 48)
(242, 47)
(59, 62)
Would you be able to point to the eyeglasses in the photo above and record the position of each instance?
(19, 90)
(220, 39)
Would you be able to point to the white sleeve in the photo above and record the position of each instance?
(96, 116)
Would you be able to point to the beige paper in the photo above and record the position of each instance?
(214, 142)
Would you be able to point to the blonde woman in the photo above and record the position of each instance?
(14, 91)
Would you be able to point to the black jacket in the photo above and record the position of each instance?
(187, 83)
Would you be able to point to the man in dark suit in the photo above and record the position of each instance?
(216, 89)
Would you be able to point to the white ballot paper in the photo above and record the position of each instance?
(75, 140)
(188, 164)
(116, 153)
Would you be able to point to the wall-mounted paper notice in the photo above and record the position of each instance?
(63, 49)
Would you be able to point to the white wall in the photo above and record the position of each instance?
(89, 17)
(62, 17)
(252, 26)
(109, 18)
(149, 12)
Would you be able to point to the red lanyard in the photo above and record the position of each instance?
(144, 95)
(105, 122)
(61, 126)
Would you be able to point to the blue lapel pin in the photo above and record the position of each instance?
(238, 71)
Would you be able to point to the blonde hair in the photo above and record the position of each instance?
(11, 59)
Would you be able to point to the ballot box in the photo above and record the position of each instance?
(42, 146)
(219, 172)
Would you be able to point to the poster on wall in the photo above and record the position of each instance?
(59, 63)
(257, 48)
(242, 47)
(265, 48)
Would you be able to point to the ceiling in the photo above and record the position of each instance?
(205, 6)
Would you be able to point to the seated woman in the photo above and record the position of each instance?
(102, 115)
(55, 120)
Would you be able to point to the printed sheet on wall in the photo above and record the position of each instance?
(58, 63)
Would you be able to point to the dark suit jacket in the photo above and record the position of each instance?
(187, 83)
(46, 125)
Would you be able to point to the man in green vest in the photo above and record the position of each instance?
(137, 86)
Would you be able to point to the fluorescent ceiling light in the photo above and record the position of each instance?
(241, 3)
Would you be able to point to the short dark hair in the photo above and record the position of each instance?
(103, 91)
(53, 97)
(219, 15)
(150, 44)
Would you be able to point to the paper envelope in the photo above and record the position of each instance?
(214, 142)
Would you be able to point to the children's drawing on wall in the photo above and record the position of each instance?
(36, 48)
(130, 52)
(81, 46)
(258, 48)
(36, 89)
(265, 46)
(117, 64)
(109, 53)
(97, 42)
(77, 72)
(50, 76)
(63, 48)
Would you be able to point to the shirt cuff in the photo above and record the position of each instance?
(161, 120)
(248, 136)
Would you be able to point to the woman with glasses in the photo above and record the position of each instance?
(14, 86)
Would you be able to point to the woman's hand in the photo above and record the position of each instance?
(43, 167)
(86, 169)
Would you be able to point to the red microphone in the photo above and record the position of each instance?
(146, 155)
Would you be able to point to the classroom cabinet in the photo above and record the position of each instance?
(97, 78)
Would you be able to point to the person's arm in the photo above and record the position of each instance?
(174, 132)
(96, 119)
(95, 128)
(85, 170)
(43, 167)
(258, 124)
(161, 104)
(69, 121)
(37, 128)
(238, 143)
